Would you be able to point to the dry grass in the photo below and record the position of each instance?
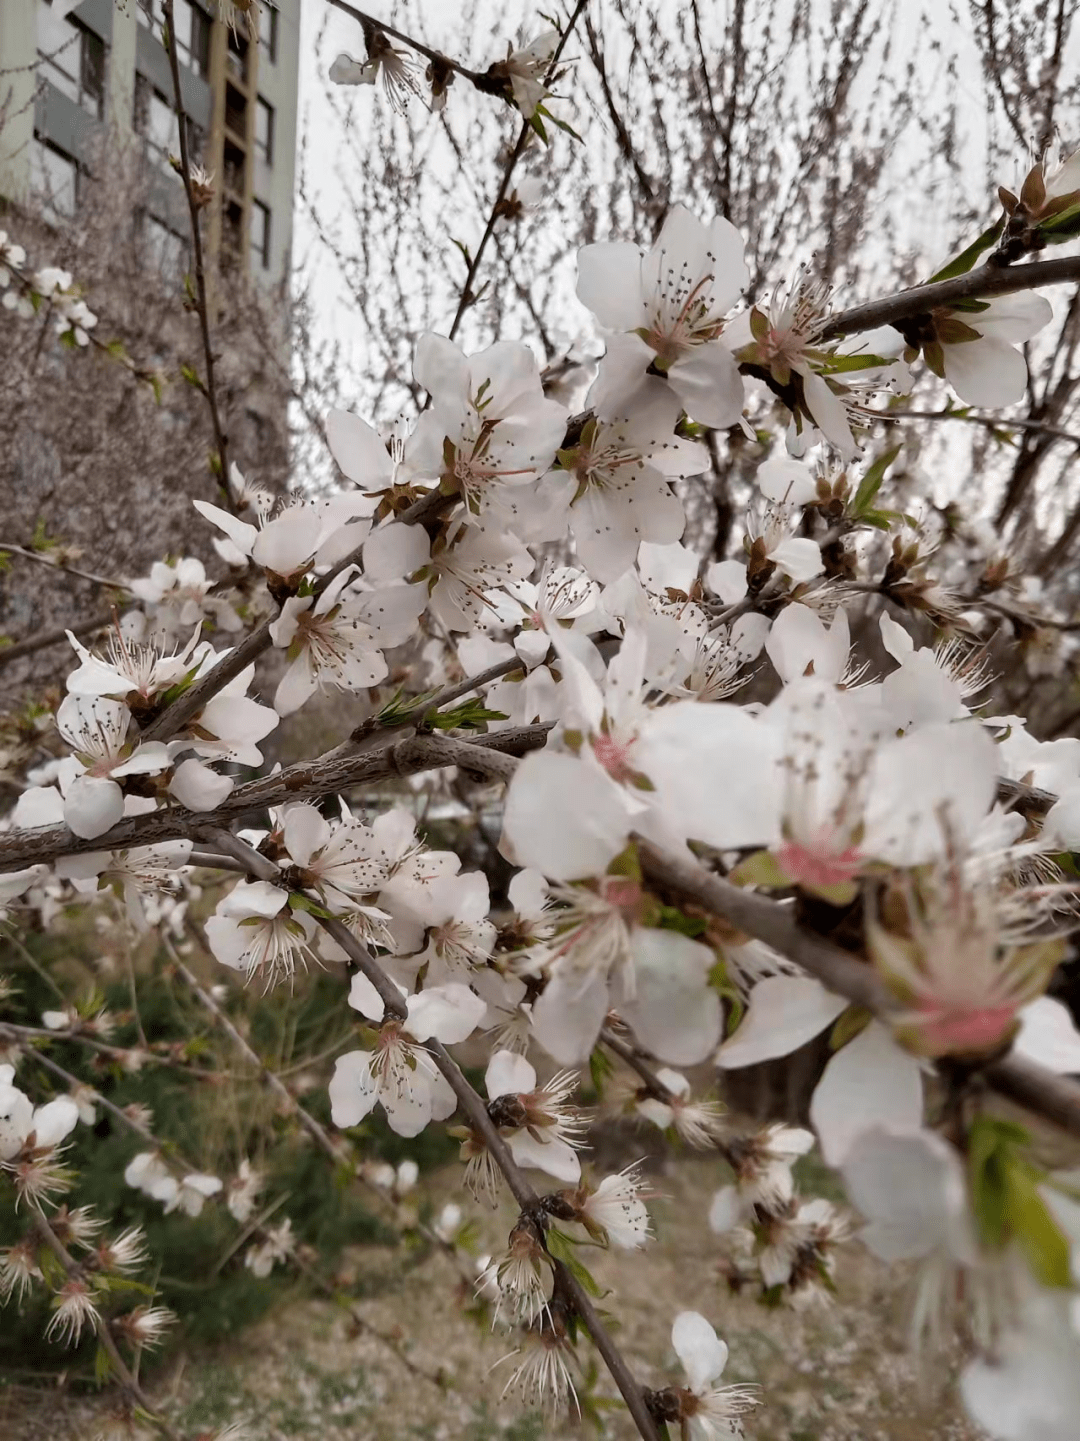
(838, 1374)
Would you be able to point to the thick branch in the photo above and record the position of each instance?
(307, 781)
(1053, 1097)
(981, 284)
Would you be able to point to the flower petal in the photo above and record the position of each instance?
(785, 1012)
(699, 1348)
(869, 1082)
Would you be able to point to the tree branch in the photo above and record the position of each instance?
(467, 296)
(1052, 1097)
(8, 653)
(983, 283)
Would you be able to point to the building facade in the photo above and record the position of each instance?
(71, 82)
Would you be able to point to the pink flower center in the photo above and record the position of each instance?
(815, 865)
(614, 756)
(623, 893)
(978, 1029)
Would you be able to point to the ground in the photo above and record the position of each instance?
(834, 1374)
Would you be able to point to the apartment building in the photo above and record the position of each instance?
(69, 82)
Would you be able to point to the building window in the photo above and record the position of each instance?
(236, 113)
(260, 234)
(55, 177)
(192, 31)
(72, 59)
(264, 130)
(268, 24)
(233, 162)
(163, 249)
(236, 56)
(155, 120)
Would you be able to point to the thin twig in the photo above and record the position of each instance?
(368, 22)
(201, 304)
(46, 638)
(467, 296)
(42, 557)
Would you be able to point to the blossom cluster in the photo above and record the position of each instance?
(701, 710)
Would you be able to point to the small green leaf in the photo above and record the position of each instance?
(299, 902)
(871, 482)
(967, 258)
(563, 126)
(670, 918)
(972, 307)
(469, 715)
(1040, 1237)
(626, 863)
(1065, 225)
(848, 1025)
(600, 1067)
(760, 869)
(833, 364)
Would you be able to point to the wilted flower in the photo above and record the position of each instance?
(74, 1307)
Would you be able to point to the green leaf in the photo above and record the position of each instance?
(833, 364)
(670, 918)
(561, 1248)
(600, 1067)
(990, 1143)
(967, 258)
(463, 248)
(563, 126)
(880, 519)
(1065, 225)
(871, 482)
(848, 1025)
(1040, 1238)
(469, 715)
(299, 902)
(626, 863)
(760, 869)
(972, 306)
